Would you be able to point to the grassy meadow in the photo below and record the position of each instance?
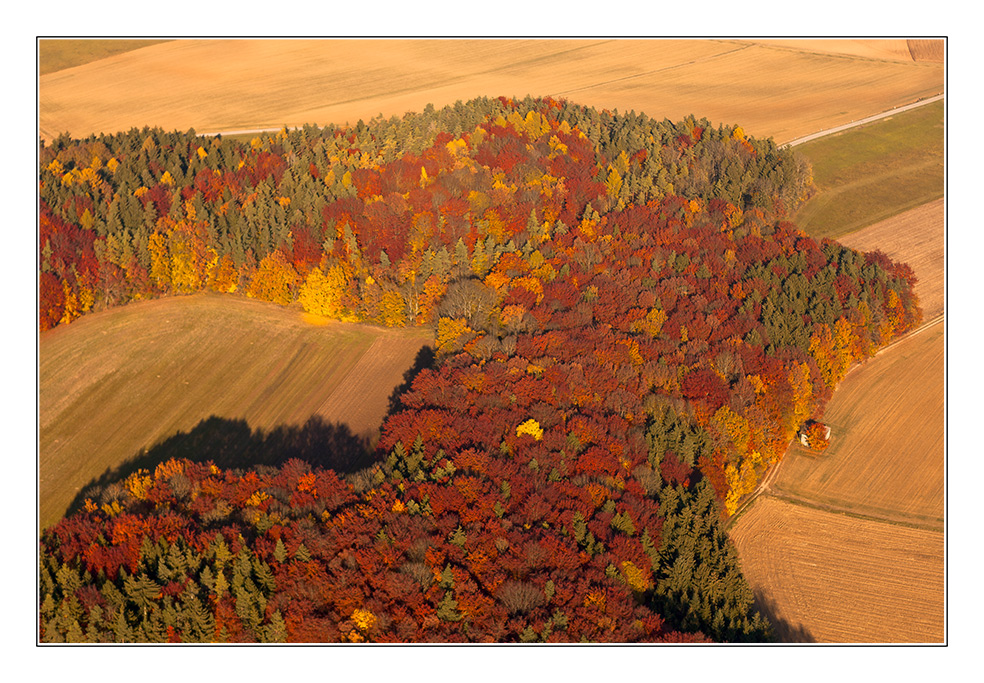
(874, 172)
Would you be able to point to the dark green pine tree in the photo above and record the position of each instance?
(699, 586)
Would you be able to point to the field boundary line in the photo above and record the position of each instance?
(850, 512)
(681, 65)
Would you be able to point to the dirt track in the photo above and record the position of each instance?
(861, 122)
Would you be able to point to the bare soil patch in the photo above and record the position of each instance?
(784, 91)
(916, 237)
(833, 578)
(927, 50)
(117, 382)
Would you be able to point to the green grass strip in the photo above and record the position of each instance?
(874, 172)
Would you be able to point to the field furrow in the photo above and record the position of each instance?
(359, 399)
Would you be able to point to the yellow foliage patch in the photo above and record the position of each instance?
(532, 428)
(638, 580)
(449, 330)
(168, 469)
(138, 484)
(256, 499)
(112, 509)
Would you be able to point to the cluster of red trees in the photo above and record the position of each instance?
(656, 306)
(193, 553)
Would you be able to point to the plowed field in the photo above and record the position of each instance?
(833, 578)
(784, 91)
(120, 381)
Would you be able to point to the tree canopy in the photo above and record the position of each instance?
(628, 334)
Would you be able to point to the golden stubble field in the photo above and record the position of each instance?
(833, 578)
(886, 453)
(120, 381)
(782, 89)
(848, 546)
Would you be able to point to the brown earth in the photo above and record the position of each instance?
(781, 90)
(833, 578)
(927, 50)
(115, 383)
(915, 237)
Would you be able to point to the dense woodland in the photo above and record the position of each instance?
(628, 335)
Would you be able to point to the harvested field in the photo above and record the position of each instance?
(120, 381)
(833, 578)
(896, 49)
(916, 237)
(886, 455)
(784, 91)
(927, 50)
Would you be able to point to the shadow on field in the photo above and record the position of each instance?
(424, 360)
(231, 444)
(785, 632)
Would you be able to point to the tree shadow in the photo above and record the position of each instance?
(231, 444)
(785, 631)
(425, 359)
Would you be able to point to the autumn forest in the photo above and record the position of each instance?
(629, 333)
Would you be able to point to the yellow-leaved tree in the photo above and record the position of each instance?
(531, 428)
(453, 334)
(323, 293)
(275, 279)
(392, 309)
